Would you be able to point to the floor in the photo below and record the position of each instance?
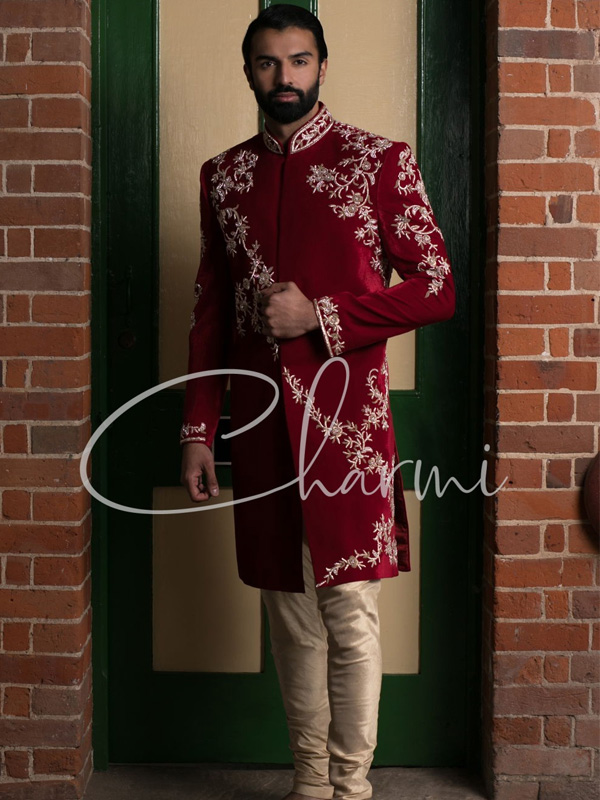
(176, 782)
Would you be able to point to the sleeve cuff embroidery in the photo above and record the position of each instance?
(329, 321)
(193, 433)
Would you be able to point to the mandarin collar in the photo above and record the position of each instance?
(310, 133)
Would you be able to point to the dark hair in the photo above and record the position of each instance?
(280, 17)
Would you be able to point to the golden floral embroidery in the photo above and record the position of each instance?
(329, 322)
(417, 223)
(310, 133)
(193, 433)
(351, 181)
(242, 179)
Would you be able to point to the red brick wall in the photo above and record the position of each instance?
(541, 660)
(45, 178)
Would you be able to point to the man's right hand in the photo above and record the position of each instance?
(198, 471)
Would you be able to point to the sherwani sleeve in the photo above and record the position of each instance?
(413, 244)
(211, 327)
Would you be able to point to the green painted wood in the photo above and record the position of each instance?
(428, 719)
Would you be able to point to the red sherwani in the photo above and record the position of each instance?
(334, 210)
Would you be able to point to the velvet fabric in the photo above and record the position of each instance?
(336, 210)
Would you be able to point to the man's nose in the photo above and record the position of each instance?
(284, 75)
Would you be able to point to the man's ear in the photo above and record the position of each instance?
(322, 72)
(248, 75)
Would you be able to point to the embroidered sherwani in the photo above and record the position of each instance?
(335, 209)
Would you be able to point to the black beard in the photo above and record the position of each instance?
(286, 112)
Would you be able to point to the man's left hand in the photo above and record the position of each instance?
(286, 311)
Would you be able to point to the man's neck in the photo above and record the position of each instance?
(282, 132)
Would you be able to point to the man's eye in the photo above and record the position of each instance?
(300, 61)
(265, 64)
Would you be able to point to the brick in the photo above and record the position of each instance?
(522, 77)
(550, 700)
(17, 46)
(588, 208)
(16, 636)
(585, 668)
(14, 112)
(18, 178)
(37, 538)
(64, 374)
(520, 276)
(578, 572)
(562, 14)
(19, 243)
(588, 408)
(554, 538)
(42, 146)
(587, 732)
(549, 375)
(546, 111)
(559, 77)
(561, 208)
(58, 439)
(521, 407)
(60, 46)
(559, 342)
(588, 14)
(559, 276)
(33, 79)
(517, 730)
(43, 603)
(38, 732)
(549, 504)
(521, 14)
(54, 506)
(586, 342)
(522, 209)
(587, 275)
(45, 341)
(558, 474)
(559, 143)
(587, 143)
(545, 310)
(556, 604)
(520, 144)
(548, 44)
(520, 341)
(556, 635)
(17, 763)
(517, 669)
(64, 762)
(538, 242)
(16, 701)
(17, 372)
(40, 405)
(521, 472)
(525, 573)
(66, 112)
(557, 731)
(517, 540)
(51, 472)
(17, 308)
(560, 407)
(49, 14)
(43, 210)
(61, 243)
(57, 701)
(15, 439)
(61, 571)
(525, 177)
(63, 178)
(18, 570)
(517, 605)
(586, 78)
(16, 505)
(57, 637)
(586, 604)
(44, 277)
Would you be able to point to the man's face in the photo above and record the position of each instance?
(285, 74)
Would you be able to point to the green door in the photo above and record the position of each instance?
(428, 718)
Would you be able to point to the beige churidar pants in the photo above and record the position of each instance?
(326, 648)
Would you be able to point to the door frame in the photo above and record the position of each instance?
(451, 45)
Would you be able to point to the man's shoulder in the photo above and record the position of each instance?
(237, 151)
(351, 136)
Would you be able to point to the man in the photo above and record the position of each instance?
(301, 226)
